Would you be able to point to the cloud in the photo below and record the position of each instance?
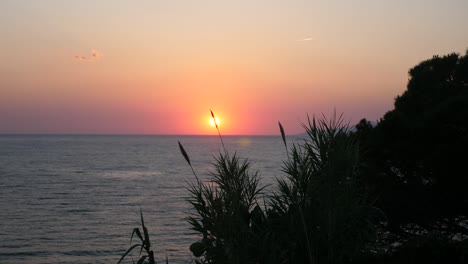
(81, 58)
(95, 55)
(305, 39)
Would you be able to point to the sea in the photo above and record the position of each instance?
(77, 198)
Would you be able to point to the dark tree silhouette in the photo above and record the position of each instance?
(417, 153)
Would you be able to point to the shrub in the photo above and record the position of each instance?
(224, 209)
(320, 211)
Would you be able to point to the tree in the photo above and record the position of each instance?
(419, 149)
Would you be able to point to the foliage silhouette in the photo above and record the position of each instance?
(411, 164)
(225, 210)
(318, 214)
(144, 244)
(417, 151)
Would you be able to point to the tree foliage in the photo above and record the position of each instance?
(418, 149)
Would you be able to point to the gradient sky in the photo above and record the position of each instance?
(157, 67)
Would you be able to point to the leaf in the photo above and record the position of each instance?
(136, 231)
(141, 260)
(184, 153)
(146, 241)
(142, 221)
(128, 251)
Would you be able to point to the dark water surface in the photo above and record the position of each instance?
(76, 199)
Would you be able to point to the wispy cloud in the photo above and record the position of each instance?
(81, 58)
(95, 55)
(306, 39)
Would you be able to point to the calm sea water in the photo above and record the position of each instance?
(76, 199)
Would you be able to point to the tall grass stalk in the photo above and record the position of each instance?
(283, 136)
(217, 128)
(304, 226)
(187, 158)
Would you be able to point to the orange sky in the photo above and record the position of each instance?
(158, 67)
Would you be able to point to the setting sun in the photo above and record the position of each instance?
(212, 121)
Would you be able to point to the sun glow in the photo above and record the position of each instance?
(212, 121)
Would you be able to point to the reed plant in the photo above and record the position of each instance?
(144, 244)
(320, 213)
(225, 209)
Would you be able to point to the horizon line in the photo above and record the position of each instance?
(131, 134)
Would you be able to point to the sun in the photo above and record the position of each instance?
(212, 121)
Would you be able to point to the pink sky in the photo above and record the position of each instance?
(158, 67)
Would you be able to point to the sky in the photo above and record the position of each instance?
(158, 67)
